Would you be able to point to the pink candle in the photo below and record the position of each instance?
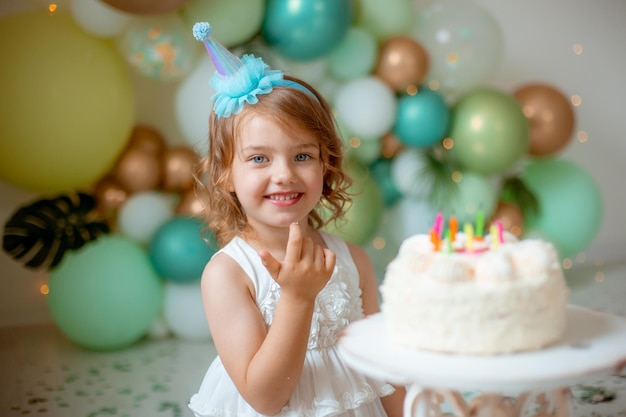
(500, 231)
(438, 226)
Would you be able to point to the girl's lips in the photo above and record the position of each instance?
(284, 199)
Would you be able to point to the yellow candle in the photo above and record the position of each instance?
(495, 237)
(469, 237)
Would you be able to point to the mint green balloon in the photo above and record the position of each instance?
(489, 130)
(474, 193)
(570, 204)
(233, 21)
(106, 295)
(388, 18)
(355, 56)
(366, 211)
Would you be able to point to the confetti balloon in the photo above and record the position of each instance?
(464, 42)
(160, 48)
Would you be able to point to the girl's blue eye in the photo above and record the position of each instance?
(258, 159)
(302, 157)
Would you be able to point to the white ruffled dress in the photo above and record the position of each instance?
(327, 386)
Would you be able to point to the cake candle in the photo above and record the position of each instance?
(480, 223)
(495, 237)
(500, 231)
(438, 224)
(469, 237)
(434, 239)
(453, 226)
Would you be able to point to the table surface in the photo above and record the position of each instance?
(594, 345)
(45, 375)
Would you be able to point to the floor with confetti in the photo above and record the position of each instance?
(44, 374)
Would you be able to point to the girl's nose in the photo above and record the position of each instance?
(283, 173)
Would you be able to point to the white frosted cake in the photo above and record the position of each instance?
(482, 299)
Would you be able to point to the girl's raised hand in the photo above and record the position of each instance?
(306, 269)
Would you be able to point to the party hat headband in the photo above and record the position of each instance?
(237, 82)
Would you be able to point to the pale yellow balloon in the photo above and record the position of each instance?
(67, 103)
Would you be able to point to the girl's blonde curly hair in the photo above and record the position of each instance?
(293, 109)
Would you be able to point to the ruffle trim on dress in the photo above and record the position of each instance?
(327, 387)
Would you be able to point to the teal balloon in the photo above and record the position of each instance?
(365, 213)
(489, 130)
(106, 295)
(381, 170)
(422, 119)
(179, 250)
(308, 29)
(570, 204)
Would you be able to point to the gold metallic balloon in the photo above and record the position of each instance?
(390, 145)
(402, 62)
(511, 216)
(137, 170)
(550, 115)
(179, 166)
(146, 7)
(189, 204)
(109, 196)
(147, 140)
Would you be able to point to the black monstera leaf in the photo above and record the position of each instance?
(39, 234)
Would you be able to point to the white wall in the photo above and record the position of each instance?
(539, 35)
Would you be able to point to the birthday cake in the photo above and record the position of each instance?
(461, 292)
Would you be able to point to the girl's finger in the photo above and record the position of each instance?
(294, 244)
(330, 259)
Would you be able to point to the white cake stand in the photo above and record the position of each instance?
(594, 345)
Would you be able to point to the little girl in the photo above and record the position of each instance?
(280, 290)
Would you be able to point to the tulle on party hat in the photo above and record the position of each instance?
(238, 81)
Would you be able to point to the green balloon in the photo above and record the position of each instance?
(570, 204)
(474, 193)
(489, 130)
(106, 295)
(365, 213)
(354, 57)
(67, 100)
(385, 19)
(233, 21)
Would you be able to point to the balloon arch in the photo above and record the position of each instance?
(409, 84)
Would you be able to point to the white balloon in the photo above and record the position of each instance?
(417, 216)
(183, 311)
(407, 173)
(98, 18)
(367, 106)
(143, 213)
(193, 105)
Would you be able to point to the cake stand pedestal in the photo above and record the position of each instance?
(513, 385)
